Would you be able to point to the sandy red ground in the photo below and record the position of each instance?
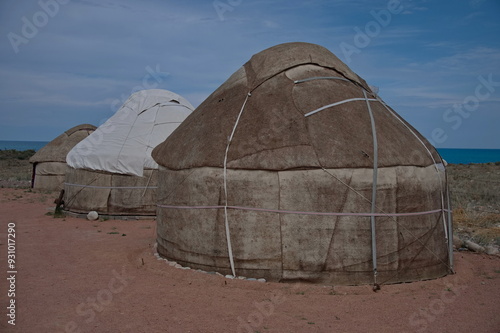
(73, 278)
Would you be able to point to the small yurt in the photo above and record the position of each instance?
(49, 163)
(294, 170)
(112, 171)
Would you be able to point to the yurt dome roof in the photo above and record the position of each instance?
(317, 119)
(123, 144)
(57, 149)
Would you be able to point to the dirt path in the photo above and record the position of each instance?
(79, 276)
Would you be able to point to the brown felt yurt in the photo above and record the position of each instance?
(112, 171)
(294, 170)
(49, 163)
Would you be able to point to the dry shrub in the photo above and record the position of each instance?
(475, 196)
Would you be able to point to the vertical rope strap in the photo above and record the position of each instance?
(450, 230)
(445, 225)
(226, 221)
(147, 184)
(374, 193)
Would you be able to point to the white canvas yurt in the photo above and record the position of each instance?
(295, 170)
(112, 171)
(49, 163)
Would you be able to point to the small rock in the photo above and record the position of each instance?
(252, 279)
(229, 277)
(92, 216)
(177, 266)
(261, 280)
(172, 263)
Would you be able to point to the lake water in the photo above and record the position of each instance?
(466, 156)
(22, 145)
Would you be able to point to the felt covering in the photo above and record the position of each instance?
(289, 173)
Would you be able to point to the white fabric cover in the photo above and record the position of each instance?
(123, 144)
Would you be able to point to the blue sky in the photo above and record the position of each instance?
(67, 62)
